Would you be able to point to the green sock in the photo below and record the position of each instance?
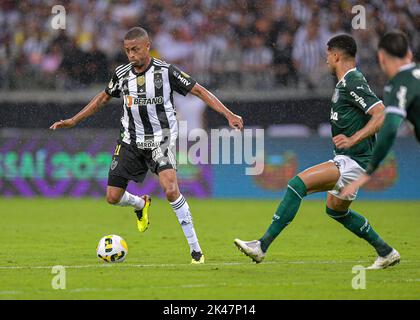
(286, 211)
(361, 227)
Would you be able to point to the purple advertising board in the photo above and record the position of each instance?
(75, 163)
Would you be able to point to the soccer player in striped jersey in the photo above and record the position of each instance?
(401, 99)
(149, 129)
(356, 115)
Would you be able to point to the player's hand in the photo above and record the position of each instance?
(68, 123)
(343, 142)
(235, 122)
(354, 186)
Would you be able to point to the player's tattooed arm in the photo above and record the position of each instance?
(211, 100)
(377, 114)
(92, 107)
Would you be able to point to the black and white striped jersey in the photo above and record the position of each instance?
(149, 113)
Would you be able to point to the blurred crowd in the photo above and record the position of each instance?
(264, 44)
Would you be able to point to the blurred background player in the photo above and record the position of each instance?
(401, 98)
(149, 130)
(356, 115)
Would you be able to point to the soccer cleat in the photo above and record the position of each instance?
(251, 248)
(197, 257)
(383, 262)
(142, 214)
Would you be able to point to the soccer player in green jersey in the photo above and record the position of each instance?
(356, 115)
(401, 98)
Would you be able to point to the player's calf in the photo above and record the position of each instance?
(119, 197)
(296, 191)
(126, 200)
(361, 227)
(183, 214)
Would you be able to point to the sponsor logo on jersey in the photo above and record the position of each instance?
(334, 116)
(150, 144)
(183, 79)
(143, 101)
(358, 99)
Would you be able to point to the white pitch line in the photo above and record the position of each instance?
(10, 292)
(170, 265)
(110, 265)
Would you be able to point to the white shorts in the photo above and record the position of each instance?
(350, 171)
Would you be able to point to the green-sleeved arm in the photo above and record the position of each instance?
(386, 138)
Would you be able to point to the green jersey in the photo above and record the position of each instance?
(401, 100)
(402, 92)
(350, 105)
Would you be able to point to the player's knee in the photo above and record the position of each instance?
(113, 198)
(297, 186)
(171, 192)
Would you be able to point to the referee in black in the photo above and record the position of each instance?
(148, 130)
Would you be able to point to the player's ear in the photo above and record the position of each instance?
(381, 57)
(337, 56)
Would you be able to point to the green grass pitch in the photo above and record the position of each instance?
(312, 259)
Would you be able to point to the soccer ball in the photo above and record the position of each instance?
(112, 248)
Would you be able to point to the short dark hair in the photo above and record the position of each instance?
(345, 43)
(136, 33)
(395, 43)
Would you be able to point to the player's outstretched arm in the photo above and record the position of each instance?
(210, 99)
(377, 114)
(92, 107)
(385, 141)
(386, 138)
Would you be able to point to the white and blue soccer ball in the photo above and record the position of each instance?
(112, 248)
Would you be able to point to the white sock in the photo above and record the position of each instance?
(129, 199)
(182, 211)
